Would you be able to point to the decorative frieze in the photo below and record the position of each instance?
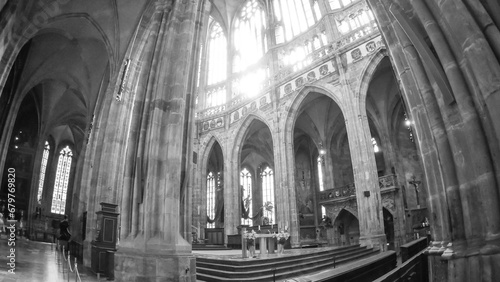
(364, 50)
(388, 181)
(308, 77)
(260, 103)
(388, 202)
(337, 193)
(212, 124)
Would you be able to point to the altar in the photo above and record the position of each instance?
(265, 240)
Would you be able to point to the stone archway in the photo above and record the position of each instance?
(389, 228)
(347, 229)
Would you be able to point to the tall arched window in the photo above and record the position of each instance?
(376, 149)
(43, 168)
(246, 184)
(211, 199)
(250, 45)
(217, 54)
(61, 184)
(320, 173)
(268, 191)
(249, 36)
(294, 17)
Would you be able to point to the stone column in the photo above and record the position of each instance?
(369, 201)
(285, 156)
(462, 36)
(232, 195)
(155, 249)
(427, 123)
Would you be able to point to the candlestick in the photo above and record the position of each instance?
(259, 227)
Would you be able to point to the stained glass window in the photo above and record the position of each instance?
(320, 173)
(216, 96)
(246, 184)
(61, 183)
(268, 191)
(249, 36)
(217, 55)
(43, 168)
(294, 17)
(211, 199)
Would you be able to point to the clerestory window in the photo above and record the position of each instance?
(61, 183)
(217, 54)
(294, 17)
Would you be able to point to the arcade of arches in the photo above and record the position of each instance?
(379, 117)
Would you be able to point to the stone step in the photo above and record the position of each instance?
(278, 268)
(273, 258)
(286, 261)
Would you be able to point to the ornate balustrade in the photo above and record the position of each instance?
(210, 111)
(336, 193)
(386, 183)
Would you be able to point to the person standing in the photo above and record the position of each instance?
(64, 233)
(2, 224)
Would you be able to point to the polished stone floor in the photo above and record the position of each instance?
(37, 262)
(40, 262)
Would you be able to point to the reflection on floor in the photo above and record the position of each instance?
(40, 262)
(37, 262)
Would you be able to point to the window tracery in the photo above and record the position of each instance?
(268, 191)
(246, 184)
(43, 168)
(294, 17)
(61, 183)
(211, 198)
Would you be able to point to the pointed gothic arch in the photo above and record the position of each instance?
(347, 225)
(367, 75)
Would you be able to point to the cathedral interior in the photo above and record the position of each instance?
(159, 126)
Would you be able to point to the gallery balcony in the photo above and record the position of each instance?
(387, 183)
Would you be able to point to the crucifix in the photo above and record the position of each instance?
(415, 183)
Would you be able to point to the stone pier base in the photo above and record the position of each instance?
(135, 266)
(378, 242)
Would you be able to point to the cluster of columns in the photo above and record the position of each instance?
(452, 94)
(141, 146)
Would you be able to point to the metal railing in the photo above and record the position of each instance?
(66, 263)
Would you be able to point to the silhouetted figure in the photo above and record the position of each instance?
(64, 233)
